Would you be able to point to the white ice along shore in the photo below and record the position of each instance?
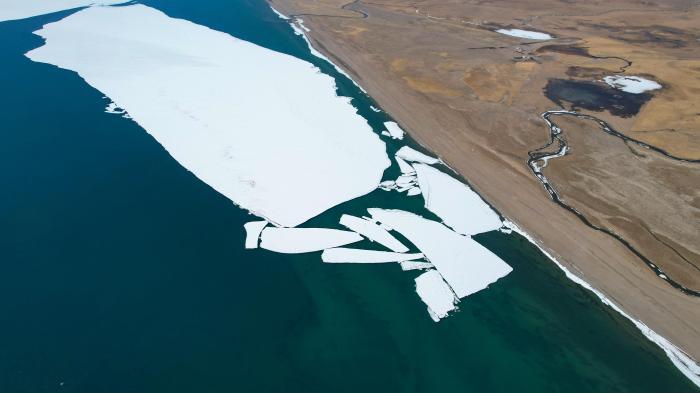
(412, 155)
(300, 240)
(456, 204)
(21, 9)
(263, 128)
(631, 84)
(467, 266)
(533, 35)
(679, 358)
(393, 130)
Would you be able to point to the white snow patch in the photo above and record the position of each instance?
(436, 294)
(20, 9)
(299, 240)
(631, 84)
(373, 232)
(394, 130)
(457, 205)
(465, 264)
(412, 155)
(252, 231)
(356, 255)
(533, 35)
(680, 359)
(415, 265)
(227, 110)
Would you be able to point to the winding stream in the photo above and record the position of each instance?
(539, 158)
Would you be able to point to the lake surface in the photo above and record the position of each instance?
(120, 271)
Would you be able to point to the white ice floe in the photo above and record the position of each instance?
(405, 180)
(300, 240)
(413, 191)
(457, 205)
(413, 155)
(680, 359)
(415, 265)
(394, 130)
(373, 232)
(533, 35)
(405, 167)
(252, 231)
(387, 185)
(465, 264)
(436, 294)
(374, 108)
(20, 9)
(263, 128)
(356, 255)
(631, 84)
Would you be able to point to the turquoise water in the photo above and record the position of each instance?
(122, 272)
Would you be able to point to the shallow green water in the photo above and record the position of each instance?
(122, 272)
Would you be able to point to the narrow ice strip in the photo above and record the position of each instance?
(405, 167)
(394, 130)
(680, 359)
(457, 205)
(300, 240)
(301, 30)
(631, 84)
(227, 110)
(252, 231)
(467, 266)
(356, 255)
(412, 155)
(373, 232)
(533, 35)
(416, 265)
(436, 294)
(20, 9)
(279, 14)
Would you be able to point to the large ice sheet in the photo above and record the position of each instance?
(20, 9)
(356, 255)
(413, 155)
(631, 84)
(436, 294)
(263, 128)
(457, 205)
(299, 240)
(466, 265)
(533, 35)
(373, 232)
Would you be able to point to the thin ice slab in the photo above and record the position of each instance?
(412, 155)
(373, 232)
(356, 255)
(300, 240)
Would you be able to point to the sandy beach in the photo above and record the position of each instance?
(474, 98)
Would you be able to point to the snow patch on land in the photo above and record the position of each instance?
(373, 232)
(356, 255)
(21, 9)
(394, 130)
(457, 205)
(227, 110)
(252, 230)
(436, 294)
(413, 155)
(467, 266)
(680, 359)
(631, 84)
(533, 35)
(300, 240)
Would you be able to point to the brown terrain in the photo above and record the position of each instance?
(475, 98)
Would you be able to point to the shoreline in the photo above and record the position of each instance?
(682, 360)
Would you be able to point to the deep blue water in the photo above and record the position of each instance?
(122, 272)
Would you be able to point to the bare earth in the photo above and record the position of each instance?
(474, 97)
